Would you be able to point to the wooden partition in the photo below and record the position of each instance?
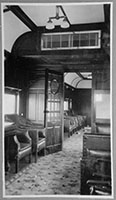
(96, 163)
(96, 143)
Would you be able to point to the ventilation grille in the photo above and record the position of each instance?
(71, 40)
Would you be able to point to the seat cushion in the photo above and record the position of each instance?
(24, 146)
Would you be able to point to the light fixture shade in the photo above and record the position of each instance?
(50, 25)
(65, 23)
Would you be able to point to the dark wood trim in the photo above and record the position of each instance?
(70, 86)
(80, 75)
(23, 17)
(93, 103)
(64, 14)
(62, 111)
(107, 15)
(46, 97)
(75, 27)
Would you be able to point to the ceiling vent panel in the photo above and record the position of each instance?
(71, 40)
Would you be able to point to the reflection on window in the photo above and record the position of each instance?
(32, 106)
(55, 41)
(11, 103)
(71, 40)
(53, 107)
(102, 103)
(65, 105)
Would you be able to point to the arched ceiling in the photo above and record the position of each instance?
(39, 14)
(79, 80)
(21, 18)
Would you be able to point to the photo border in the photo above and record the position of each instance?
(112, 100)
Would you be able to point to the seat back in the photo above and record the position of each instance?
(97, 142)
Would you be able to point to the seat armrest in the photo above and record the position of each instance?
(28, 137)
(98, 182)
(17, 142)
(42, 133)
(103, 154)
(33, 133)
(99, 187)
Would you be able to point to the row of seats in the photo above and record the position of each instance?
(73, 123)
(22, 138)
(25, 144)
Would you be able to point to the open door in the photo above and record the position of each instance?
(53, 111)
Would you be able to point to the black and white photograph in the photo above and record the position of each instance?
(57, 124)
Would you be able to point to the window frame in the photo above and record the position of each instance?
(16, 105)
(70, 40)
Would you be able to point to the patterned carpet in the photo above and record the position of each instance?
(58, 173)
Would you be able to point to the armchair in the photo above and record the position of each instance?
(99, 187)
(17, 147)
(100, 181)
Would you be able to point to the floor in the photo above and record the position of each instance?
(54, 174)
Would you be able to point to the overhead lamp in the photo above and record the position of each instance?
(89, 76)
(64, 23)
(50, 24)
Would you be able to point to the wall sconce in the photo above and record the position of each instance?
(64, 23)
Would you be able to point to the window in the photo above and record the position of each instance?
(102, 104)
(65, 105)
(53, 107)
(36, 106)
(71, 40)
(11, 103)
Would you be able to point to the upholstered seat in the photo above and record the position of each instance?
(17, 147)
(20, 127)
(24, 148)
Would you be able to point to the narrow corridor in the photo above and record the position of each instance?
(55, 174)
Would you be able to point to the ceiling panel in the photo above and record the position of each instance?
(77, 14)
(76, 81)
(39, 14)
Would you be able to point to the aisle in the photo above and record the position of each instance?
(58, 173)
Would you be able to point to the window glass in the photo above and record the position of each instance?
(65, 40)
(48, 41)
(93, 39)
(65, 105)
(55, 41)
(76, 40)
(9, 104)
(32, 106)
(84, 39)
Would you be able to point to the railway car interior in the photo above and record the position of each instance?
(57, 83)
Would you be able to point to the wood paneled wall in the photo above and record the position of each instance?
(81, 101)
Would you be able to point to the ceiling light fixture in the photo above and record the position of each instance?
(64, 23)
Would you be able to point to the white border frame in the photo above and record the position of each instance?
(66, 196)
